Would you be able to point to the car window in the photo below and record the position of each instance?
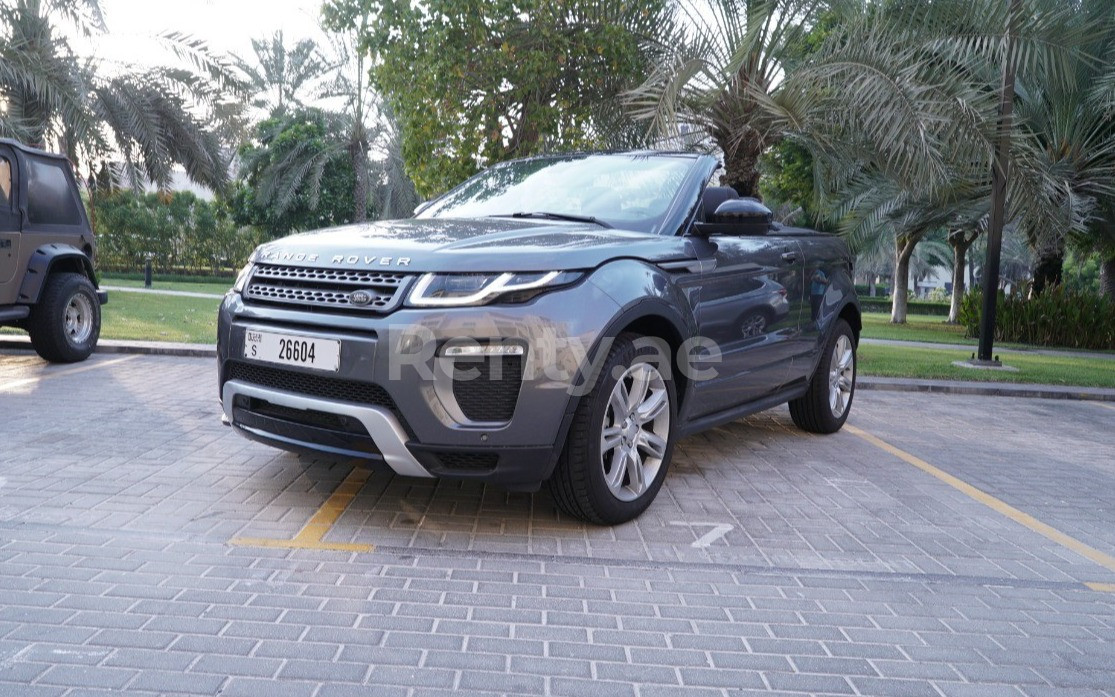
(5, 182)
(50, 200)
(627, 191)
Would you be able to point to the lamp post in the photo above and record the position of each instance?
(147, 269)
(999, 173)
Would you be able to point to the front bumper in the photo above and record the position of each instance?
(390, 402)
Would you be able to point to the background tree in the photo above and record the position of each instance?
(151, 118)
(289, 180)
(296, 173)
(479, 82)
(281, 76)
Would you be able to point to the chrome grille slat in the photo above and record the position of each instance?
(310, 296)
(323, 289)
(344, 276)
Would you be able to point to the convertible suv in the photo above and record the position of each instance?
(560, 319)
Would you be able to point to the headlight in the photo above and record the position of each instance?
(242, 278)
(461, 290)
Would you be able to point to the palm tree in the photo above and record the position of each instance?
(281, 75)
(902, 91)
(718, 64)
(153, 119)
(1071, 123)
(356, 126)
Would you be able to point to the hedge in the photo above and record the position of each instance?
(1057, 317)
(914, 307)
(183, 233)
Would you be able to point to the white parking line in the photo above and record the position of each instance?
(718, 530)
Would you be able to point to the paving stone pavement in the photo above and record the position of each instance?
(773, 561)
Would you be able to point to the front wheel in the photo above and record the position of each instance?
(66, 323)
(824, 407)
(622, 436)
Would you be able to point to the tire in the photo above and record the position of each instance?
(825, 406)
(612, 484)
(66, 323)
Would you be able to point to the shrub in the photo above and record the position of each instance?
(1057, 317)
(179, 229)
(913, 307)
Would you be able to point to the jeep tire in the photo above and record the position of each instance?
(66, 323)
(622, 436)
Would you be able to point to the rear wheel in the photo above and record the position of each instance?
(621, 439)
(824, 407)
(66, 323)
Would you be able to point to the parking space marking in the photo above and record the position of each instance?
(312, 535)
(12, 384)
(1102, 587)
(1104, 405)
(718, 530)
(995, 504)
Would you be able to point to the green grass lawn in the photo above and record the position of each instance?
(877, 325)
(214, 287)
(903, 362)
(152, 317)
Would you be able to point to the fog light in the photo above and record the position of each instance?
(483, 350)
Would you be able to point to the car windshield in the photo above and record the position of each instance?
(631, 192)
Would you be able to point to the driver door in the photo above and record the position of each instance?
(750, 305)
(9, 217)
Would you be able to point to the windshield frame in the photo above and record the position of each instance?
(668, 223)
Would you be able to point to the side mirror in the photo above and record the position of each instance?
(747, 214)
(737, 217)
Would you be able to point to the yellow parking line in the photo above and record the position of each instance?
(1102, 587)
(312, 535)
(997, 505)
(1104, 405)
(12, 384)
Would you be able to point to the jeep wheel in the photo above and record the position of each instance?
(66, 323)
(826, 404)
(621, 439)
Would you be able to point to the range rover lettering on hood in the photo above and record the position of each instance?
(367, 260)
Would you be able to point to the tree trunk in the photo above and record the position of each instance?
(960, 243)
(359, 152)
(904, 246)
(741, 164)
(1107, 277)
(1048, 270)
(958, 287)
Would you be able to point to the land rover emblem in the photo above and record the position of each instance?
(360, 297)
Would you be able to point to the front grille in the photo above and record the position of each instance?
(312, 385)
(309, 417)
(469, 462)
(324, 289)
(491, 394)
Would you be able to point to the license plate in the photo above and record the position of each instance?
(290, 349)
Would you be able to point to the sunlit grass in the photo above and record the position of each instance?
(911, 362)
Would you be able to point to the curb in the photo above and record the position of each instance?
(882, 384)
(987, 389)
(147, 348)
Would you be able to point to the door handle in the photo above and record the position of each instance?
(789, 257)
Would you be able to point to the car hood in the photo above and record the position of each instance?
(470, 245)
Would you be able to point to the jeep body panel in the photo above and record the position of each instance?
(37, 239)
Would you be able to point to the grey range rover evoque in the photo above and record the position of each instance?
(562, 319)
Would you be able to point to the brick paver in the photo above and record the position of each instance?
(844, 571)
